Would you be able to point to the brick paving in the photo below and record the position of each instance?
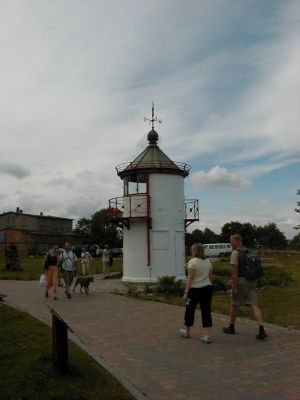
(138, 342)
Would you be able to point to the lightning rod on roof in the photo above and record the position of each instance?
(153, 119)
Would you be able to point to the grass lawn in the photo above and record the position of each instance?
(26, 365)
(32, 268)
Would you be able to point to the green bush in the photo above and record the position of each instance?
(222, 271)
(149, 289)
(219, 284)
(168, 285)
(132, 290)
(274, 276)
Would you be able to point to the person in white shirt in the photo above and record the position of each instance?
(105, 258)
(86, 259)
(67, 260)
(198, 289)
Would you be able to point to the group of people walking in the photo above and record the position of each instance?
(66, 261)
(55, 259)
(198, 289)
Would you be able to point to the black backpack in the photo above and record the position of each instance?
(251, 264)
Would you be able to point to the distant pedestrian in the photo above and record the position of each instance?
(106, 259)
(68, 263)
(198, 289)
(50, 267)
(243, 290)
(86, 259)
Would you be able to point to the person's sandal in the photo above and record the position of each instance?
(229, 329)
(46, 294)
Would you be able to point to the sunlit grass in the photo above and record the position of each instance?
(32, 268)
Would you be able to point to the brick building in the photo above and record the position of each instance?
(32, 234)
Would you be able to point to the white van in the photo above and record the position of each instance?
(217, 249)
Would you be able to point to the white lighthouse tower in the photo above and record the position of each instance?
(154, 214)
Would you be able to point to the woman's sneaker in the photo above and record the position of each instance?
(205, 339)
(184, 333)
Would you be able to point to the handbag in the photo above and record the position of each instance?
(43, 280)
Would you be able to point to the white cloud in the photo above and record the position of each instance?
(219, 176)
(263, 168)
(262, 120)
(76, 82)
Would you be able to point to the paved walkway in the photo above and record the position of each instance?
(138, 342)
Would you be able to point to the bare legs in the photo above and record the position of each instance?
(257, 315)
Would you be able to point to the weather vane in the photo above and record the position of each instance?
(153, 119)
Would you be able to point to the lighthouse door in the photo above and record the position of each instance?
(179, 253)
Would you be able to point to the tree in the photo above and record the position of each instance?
(198, 236)
(249, 235)
(229, 229)
(83, 227)
(246, 230)
(295, 242)
(210, 237)
(270, 236)
(99, 229)
(195, 237)
(298, 209)
(103, 231)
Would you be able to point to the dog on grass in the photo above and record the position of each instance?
(84, 282)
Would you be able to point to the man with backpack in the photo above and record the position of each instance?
(246, 269)
(67, 261)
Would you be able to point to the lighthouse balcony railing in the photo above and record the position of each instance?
(135, 205)
(191, 211)
(160, 164)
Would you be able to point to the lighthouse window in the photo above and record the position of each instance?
(135, 183)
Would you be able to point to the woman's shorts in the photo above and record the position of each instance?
(245, 294)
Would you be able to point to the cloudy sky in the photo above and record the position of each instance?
(78, 77)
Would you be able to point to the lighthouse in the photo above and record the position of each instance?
(153, 213)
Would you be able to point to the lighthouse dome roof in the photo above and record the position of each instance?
(153, 160)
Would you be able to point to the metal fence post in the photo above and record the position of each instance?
(59, 344)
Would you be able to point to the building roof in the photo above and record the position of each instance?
(34, 215)
(41, 233)
(153, 159)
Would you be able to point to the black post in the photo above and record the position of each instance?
(60, 344)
